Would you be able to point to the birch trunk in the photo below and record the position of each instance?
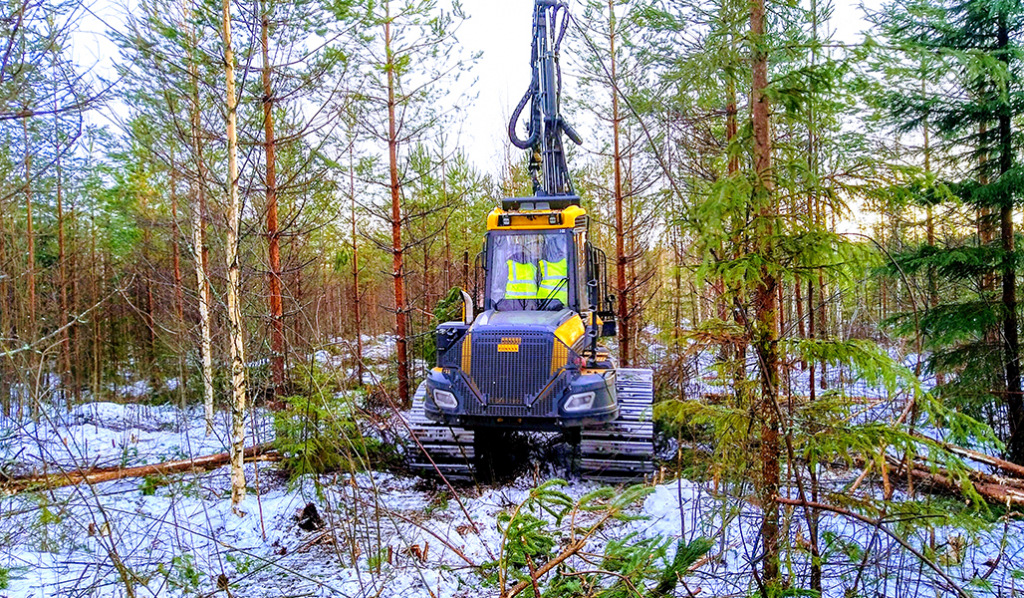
(235, 332)
(200, 251)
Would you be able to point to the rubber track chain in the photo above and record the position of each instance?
(450, 447)
(623, 450)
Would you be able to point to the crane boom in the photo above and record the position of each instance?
(546, 124)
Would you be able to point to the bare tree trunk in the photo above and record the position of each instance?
(396, 221)
(30, 273)
(97, 475)
(355, 265)
(766, 310)
(200, 251)
(179, 292)
(73, 300)
(447, 239)
(236, 332)
(146, 298)
(273, 236)
(620, 250)
(677, 304)
(65, 336)
(5, 321)
(634, 315)
(97, 372)
(1011, 345)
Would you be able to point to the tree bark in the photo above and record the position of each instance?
(396, 220)
(1011, 347)
(107, 474)
(620, 233)
(765, 338)
(355, 266)
(6, 321)
(30, 273)
(199, 248)
(65, 335)
(236, 336)
(812, 165)
(273, 235)
(179, 291)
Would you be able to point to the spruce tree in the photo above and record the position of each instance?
(972, 114)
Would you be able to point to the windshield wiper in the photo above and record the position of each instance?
(558, 287)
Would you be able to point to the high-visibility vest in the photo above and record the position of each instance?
(522, 281)
(554, 280)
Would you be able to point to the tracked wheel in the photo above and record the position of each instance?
(623, 450)
(449, 447)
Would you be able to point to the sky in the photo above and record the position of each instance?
(501, 29)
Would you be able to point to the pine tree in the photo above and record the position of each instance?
(409, 49)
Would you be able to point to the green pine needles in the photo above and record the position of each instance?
(317, 431)
(543, 536)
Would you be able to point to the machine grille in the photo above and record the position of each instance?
(511, 373)
(511, 377)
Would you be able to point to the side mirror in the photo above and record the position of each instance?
(467, 308)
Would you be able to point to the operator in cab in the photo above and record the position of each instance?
(522, 276)
(554, 272)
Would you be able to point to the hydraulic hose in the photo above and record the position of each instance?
(534, 127)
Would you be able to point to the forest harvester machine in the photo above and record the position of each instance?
(530, 360)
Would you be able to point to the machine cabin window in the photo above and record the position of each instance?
(531, 271)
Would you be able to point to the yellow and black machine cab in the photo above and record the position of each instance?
(531, 356)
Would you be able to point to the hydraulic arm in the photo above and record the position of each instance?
(545, 126)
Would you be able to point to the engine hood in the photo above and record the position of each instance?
(546, 321)
(566, 325)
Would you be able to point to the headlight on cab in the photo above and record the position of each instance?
(580, 402)
(445, 399)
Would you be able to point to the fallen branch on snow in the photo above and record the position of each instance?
(997, 490)
(261, 452)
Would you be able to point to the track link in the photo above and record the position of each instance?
(450, 447)
(623, 450)
(616, 452)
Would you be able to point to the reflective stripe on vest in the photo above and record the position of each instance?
(522, 281)
(551, 283)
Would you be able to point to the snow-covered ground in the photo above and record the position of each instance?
(388, 534)
(384, 534)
